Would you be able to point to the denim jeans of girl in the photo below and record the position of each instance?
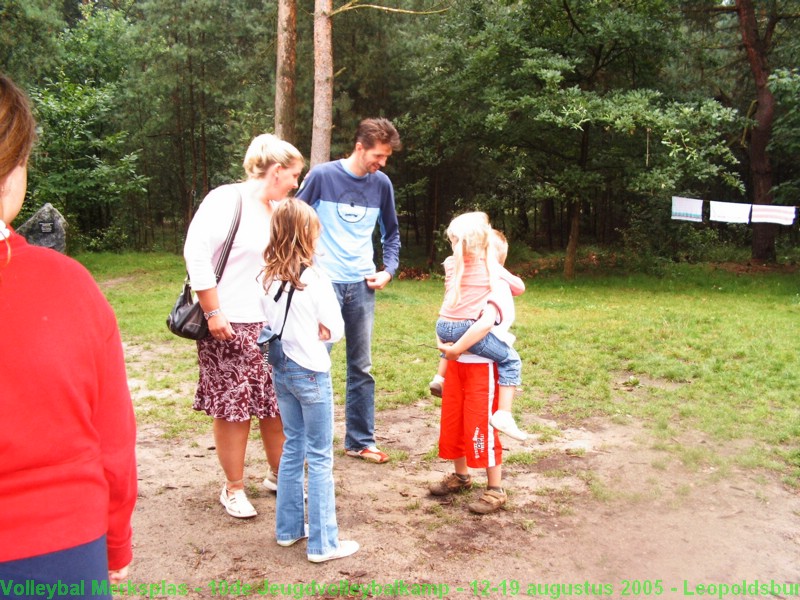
(509, 364)
(306, 402)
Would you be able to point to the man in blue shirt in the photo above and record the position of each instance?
(350, 196)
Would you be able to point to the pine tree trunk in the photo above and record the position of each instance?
(323, 82)
(285, 98)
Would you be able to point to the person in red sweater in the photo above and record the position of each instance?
(67, 432)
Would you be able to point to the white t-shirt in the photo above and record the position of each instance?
(501, 295)
(316, 303)
(239, 290)
(504, 301)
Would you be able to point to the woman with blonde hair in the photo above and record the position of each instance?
(235, 383)
(301, 305)
(67, 435)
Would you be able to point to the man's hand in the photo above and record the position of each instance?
(378, 281)
(324, 333)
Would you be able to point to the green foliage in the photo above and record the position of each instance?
(83, 163)
(785, 143)
(202, 89)
(553, 104)
(78, 167)
(527, 110)
(28, 39)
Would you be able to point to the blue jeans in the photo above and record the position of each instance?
(306, 402)
(77, 572)
(509, 364)
(357, 302)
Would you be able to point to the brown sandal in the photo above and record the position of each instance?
(489, 502)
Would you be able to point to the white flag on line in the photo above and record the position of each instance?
(770, 213)
(687, 209)
(730, 212)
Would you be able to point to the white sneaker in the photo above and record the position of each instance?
(287, 543)
(346, 548)
(271, 481)
(503, 421)
(237, 505)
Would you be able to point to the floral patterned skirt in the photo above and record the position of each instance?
(235, 381)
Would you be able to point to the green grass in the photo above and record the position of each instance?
(697, 349)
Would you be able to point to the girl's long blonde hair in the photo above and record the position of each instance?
(470, 236)
(293, 235)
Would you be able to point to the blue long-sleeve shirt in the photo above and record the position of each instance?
(348, 208)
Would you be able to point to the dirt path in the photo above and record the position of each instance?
(601, 509)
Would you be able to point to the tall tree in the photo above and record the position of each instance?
(323, 82)
(285, 99)
(757, 42)
(752, 37)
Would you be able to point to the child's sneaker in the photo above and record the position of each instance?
(451, 483)
(436, 385)
(491, 501)
(503, 421)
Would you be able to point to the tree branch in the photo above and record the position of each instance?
(354, 4)
(571, 18)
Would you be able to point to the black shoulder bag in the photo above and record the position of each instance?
(186, 318)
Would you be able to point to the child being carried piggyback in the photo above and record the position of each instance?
(474, 275)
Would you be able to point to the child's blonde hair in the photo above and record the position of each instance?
(499, 245)
(293, 235)
(469, 235)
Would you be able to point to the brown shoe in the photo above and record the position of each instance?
(490, 502)
(451, 483)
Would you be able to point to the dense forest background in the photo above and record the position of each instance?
(568, 121)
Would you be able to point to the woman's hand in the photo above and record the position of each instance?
(220, 328)
(324, 333)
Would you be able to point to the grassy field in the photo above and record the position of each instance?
(698, 349)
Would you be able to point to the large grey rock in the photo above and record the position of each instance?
(47, 228)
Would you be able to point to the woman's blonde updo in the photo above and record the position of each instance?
(267, 150)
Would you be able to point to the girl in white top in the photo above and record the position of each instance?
(302, 377)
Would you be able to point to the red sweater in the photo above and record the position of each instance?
(67, 430)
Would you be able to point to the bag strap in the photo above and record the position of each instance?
(288, 300)
(226, 248)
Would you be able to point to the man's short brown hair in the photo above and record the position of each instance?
(377, 131)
